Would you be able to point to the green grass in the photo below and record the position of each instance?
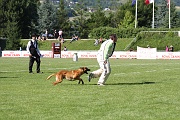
(78, 45)
(135, 90)
(158, 40)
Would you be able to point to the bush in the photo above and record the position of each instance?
(104, 32)
(157, 40)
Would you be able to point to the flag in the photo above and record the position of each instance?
(147, 2)
(133, 2)
(168, 3)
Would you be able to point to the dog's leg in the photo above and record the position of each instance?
(80, 80)
(59, 79)
(54, 83)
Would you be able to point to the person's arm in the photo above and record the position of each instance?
(107, 50)
(27, 48)
(37, 49)
(113, 48)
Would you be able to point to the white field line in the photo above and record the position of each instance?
(149, 71)
(90, 66)
(69, 68)
(146, 64)
(27, 70)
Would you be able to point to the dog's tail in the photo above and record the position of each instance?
(50, 76)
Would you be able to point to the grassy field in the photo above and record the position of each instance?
(135, 90)
(78, 45)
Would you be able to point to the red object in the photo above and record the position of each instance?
(168, 2)
(147, 2)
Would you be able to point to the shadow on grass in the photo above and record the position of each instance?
(8, 77)
(139, 83)
(51, 72)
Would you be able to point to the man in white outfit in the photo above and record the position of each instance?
(106, 50)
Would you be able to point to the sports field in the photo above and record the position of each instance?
(135, 90)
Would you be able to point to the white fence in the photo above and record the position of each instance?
(92, 54)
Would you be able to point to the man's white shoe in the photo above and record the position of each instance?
(100, 84)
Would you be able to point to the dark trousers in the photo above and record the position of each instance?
(31, 62)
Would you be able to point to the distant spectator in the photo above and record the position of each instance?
(43, 37)
(62, 40)
(74, 38)
(60, 34)
(171, 49)
(101, 40)
(131, 50)
(55, 34)
(65, 48)
(39, 38)
(148, 46)
(167, 48)
(50, 36)
(96, 42)
(46, 33)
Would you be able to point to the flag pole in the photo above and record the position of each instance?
(136, 15)
(169, 13)
(153, 16)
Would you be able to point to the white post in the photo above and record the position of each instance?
(169, 2)
(136, 15)
(153, 16)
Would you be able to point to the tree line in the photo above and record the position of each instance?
(20, 18)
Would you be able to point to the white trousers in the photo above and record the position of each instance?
(103, 72)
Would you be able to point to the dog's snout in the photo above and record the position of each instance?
(86, 69)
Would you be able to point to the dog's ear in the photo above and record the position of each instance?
(82, 68)
(87, 68)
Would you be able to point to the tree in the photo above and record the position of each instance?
(2, 18)
(111, 21)
(12, 31)
(28, 18)
(80, 23)
(97, 18)
(13, 37)
(160, 14)
(47, 17)
(17, 19)
(26, 15)
(121, 10)
(174, 17)
(128, 21)
(62, 18)
(144, 15)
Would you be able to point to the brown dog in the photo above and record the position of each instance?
(69, 75)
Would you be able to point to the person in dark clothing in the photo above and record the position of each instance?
(34, 54)
(171, 49)
(56, 34)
